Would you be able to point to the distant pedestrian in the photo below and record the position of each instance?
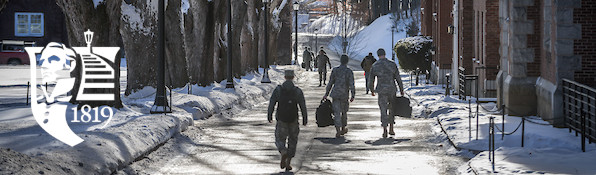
(322, 62)
(312, 55)
(366, 65)
(307, 58)
(341, 85)
(287, 97)
(387, 73)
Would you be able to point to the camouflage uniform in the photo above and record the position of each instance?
(387, 73)
(341, 83)
(322, 61)
(286, 130)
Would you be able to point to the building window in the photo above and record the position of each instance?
(28, 24)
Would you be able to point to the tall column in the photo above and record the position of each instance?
(519, 92)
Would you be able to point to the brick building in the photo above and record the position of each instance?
(439, 15)
(486, 45)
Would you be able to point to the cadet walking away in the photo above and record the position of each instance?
(322, 61)
(366, 65)
(287, 97)
(341, 84)
(387, 73)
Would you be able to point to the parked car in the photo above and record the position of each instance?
(13, 52)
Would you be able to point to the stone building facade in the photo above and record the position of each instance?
(533, 44)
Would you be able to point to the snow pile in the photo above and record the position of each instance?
(547, 150)
(370, 39)
(333, 24)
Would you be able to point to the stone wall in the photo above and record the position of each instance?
(518, 87)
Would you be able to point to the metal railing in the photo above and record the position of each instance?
(579, 105)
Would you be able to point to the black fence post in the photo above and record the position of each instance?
(470, 119)
(490, 125)
(28, 84)
(503, 124)
(523, 131)
(493, 141)
(583, 130)
(477, 120)
(46, 86)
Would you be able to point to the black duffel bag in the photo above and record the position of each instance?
(400, 106)
(324, 112)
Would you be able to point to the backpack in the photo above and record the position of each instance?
(400, 106)
(324, 112)
(287, 105)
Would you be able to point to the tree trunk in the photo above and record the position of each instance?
(176, 65)
(198, 22)
(139, 35)
(104, 21)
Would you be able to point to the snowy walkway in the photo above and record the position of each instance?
(243, 143)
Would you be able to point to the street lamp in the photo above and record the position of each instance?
(265, 78)
(230, 83)
(392, 43)
(161, 102)
(345, 38)
(296, 8)
(316, 40)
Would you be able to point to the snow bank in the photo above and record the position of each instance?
(333, 25)
(370, 39)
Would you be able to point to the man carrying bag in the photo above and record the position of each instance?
(387, 73)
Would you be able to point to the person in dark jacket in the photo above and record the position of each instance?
(287, 97)
(366, 65)
(307, 58)
(322, 61)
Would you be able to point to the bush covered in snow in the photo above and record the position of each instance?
(414, 52)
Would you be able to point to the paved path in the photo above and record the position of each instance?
(244, 144)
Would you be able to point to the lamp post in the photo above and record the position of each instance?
(316, 41)
(230, 83)
(265, 78)
(296, 8)
(161, 102)
(392, 42)
(345, 38)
